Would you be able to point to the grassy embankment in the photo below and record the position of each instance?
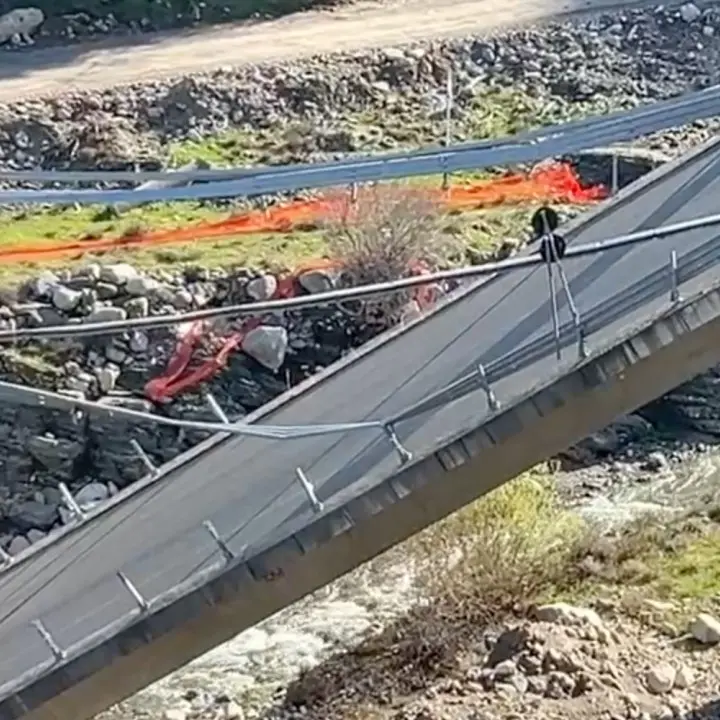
(494, 115)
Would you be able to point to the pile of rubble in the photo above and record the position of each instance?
(564, 661)
(94, 455)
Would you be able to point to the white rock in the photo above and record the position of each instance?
(316, 281)
(410, 312)
(115, 354)
(106, 314)
(182, 299)
(690, 12)
(118, 274)
(65, 299)
(661, 678)
(564, 614)
(80, 383)
(91, 494)
(705, 629)
(175, 714)
(267, 344)
(394, 54)
(34, 535)
(262, 288)
(107, 377)
(18, 544)
(21, 22)
(684, 677)
(140, 286)
(43, 284)
(139, 342)
(659, 605)
(232, 711)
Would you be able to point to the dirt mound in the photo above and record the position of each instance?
(561, 661)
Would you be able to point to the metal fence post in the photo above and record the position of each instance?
(309, 489)
(44, 633)
(402, 451)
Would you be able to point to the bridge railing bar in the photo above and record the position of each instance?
(633, 117)
(693, 264)
(526, 147)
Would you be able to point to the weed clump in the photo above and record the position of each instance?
(474, 568)
(386, 233)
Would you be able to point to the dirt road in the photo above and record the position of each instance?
(59, 70)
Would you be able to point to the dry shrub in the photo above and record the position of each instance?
(382, 236)
(476, 566)
(632, 553)
(501, 552)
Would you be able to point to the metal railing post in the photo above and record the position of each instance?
(146, 461)
(226, 551)
(674, 281)
(70, 502)
(400, 449)
(55, 649)
(214, 406)
(142, 603)
(492, 400)
(309, 489)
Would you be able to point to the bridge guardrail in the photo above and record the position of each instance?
(528, 147)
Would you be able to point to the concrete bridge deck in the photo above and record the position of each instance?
(640, 344)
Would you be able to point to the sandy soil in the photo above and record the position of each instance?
(368, 24)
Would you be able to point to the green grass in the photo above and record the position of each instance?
(480, 230)
(493, 114)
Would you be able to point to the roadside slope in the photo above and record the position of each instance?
(366, 25)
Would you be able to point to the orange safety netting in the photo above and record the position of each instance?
(555, 183)
(178, 378)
